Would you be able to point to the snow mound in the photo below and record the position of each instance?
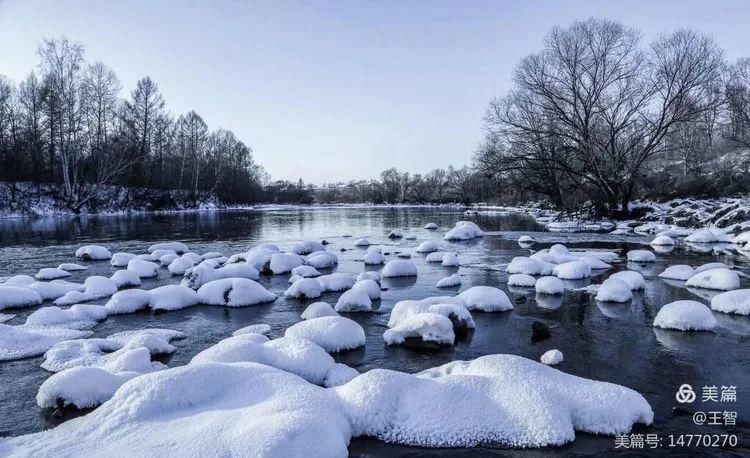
(362, 243)
(572, 270)
(464, 230)
(549, 285)
(121, 259)
(51, 273)
(662, 240)
(180, 265)
(172, 297)
(128, 301)
(71, 267)
(457, 313)
(486, 299)
(614, 290)
(374, 257)
(308, 247)
(177, 247)
(282, 263)
(355, 300)
(144, 269)
(332, 333)
(526, 240)
(336, 282)
(126, 278)
(306, 271)
(678, 272)
(261, 328)
(720, 278)
(709, 266)
(399, 268)
(552, 357)
(234, 292)
(685, 316)
(204, 273)
(19, 280)
(322, 260)
(395, 234)
(369, 275)
(435, 256)
(709, 235)
(641, 256)
(426, 327)
(523, 280)
(79, 316)
(450, 260)
(339, 374)
(430, 226)
(737, 301)
(427, 247)
(93, 253)
(18, 342)
(81, 387)
(318, 310)
(55, 289)
(449, 282)
(529, 266)
(304, 288)
(632, 278)
(18, 296)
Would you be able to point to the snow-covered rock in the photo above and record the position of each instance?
(121, 259)
(395, 234)
(526, 281)
(486, 299)
(641, 256)
(551, 357)
(144, 269)
(369, 275)
(51, 273)
(450, 260)
(632, 278)
(374, 257)
(339, 374)
(737, 302)
(435, 256)
(614, 290)
(425, 326)
(526, 240)
(19, 280)
(234, 292)
(55, 288)
(663, 240)
(427, 247)
(332, 333)
(354, 300)
(304, 288)
(362, 242)
(18, 296)
(336, 282)
(709, 235)
(678, 272)
(93, 253)
(399, 268)
(710, 266)
(322, 260)
(261, 328)
(318, 310)
(464, 230)
(449, 282)
(172, 297)
(307, 247)
(529, 266)
(81, 387)
(572, 270)
(177, 247)
(79, 316)
(306, 271)
(128, 301)
(452, 308)
(430, 226)
(204, 273)
(720, 278)
(71, 267)
(549, 285)
(282, 263)
(180, 265)
(18, 342)
(685, 316)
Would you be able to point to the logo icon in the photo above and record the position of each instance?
(685, 394)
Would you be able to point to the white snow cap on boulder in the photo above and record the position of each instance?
(144, 269)
(450, 260)
(452, 308)
(306, 271)
(549, 285)
(234, 292)
(641, 256)
(426, 326)
(354, 300)
(464, 230)
(685, 316)
(71, 267)
(529, 266)
(304, 288)
(260, 328)
(374, 257)
(663, 240)
(395, 234)
(449, 282)
(337, 281)
(332, 333)
(81, 387)
(632, 278)
(128, 301)
(526, 281)
(18, 342)
(551, 357)
(720, 278)
(363, 242)
(177, 247)
(737, 302)
(430, 226)
(322, 260)
(614, 290)
(486, 299)
(572, 270)
(121, 259)
(318, 310)
(51, 273)
(307, 247)
(18, 296)
(678, 272)
(93, 253)
(427, 247)
(526, 240)
(204, 273)
(172, 297)
(709, 235)
(399, 268)
(282, 263)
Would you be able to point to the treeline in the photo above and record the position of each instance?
(66, 127)
(598, 117)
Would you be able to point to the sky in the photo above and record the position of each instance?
(336, 90)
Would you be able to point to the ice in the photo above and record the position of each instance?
(122, 259)
(430, 226)
(450, 260)
(374, 257)
(614, 290)
(449, 282)
(79, 316)
(332, 333)
(234, 292)
(144, 269)
(435, 256)
(719, 278)
(18, 296)
(549, 285)
(529, 266)
(128, 301)
(573, 270)
(308, 247)
(523, 280)
(93, 253)
(354, 300)
(177, 247)
(486, 299)
(322, 260)
(51, 273)
(709, 235)
(81, 387)
(737, 302)
(552, 357)
(464, 230)
(203, 273)
(317, 310)
(399, 268)
(663, 240)
(71, 267)
(18, 342)
(306, 271)
(55, 288)
(180, 265)
(172, 297)
(304, 288)
(678, 272)
(632, 278)
(426, 326)
(427, 247)
(261, 328)
(641, 256)
(362, 242)
(685, 316)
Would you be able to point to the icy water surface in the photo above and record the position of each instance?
(608, 342)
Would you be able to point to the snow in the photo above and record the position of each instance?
(55, 288)
(737, 301)
(452, 309)
(709, 266)
(632, 278)
(399, 268)
(180, 265)
(332, 333)
(549, 285)
(709, 235)
(720, 278)
(449, 282)
(521, 280)
(685, 316)
(124, 278)
(282, 263)
(741, 238)
(614, 290)
(374, 257)
(551, 357)
(354, 300)
(19, 280)
(304, 288)
(426, 326)
(81, 387)
(212, 255)
(339, 374)
(177, 247)
(678, 272)
(306, 271)
(93, 253)
(158, 254)
(662, 240)
(79, 316)
(18, 342)
(128, 301)
(144, 269)
(430, 226)
(5, 317)
(50, 273)
(204, 273)
(121, 259)
(307, 247)
(234, 292)
(395, 234)
(427, 247)
(147, 257)
(435, 256)
(18, 296)
(526, 240)
(464, 230)
(336, 282)
(71, 267)
(317, 310)
(261, 328)
(405, 255)
(573, 270)
(362, 242)
(486, 299)
(529, 266)
(97, 286)
(172, 297)
(450, 260)
(369, 275)
(641, 256)
(322, 260)
(493, 399)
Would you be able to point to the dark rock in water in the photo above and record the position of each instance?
(342, 250)
(417, 344)
(520, 300)
(386, 253)
(539, 331)
(324, 242)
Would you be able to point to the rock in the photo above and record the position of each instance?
(539, 331)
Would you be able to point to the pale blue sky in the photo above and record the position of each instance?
(329, 90)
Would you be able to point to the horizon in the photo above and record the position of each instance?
(412, 96)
